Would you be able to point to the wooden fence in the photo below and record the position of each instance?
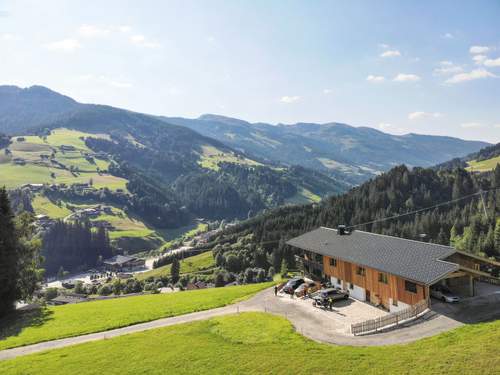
(374, 325)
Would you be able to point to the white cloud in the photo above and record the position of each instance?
(402, 77)
(479, 59)
(478, 49)
(384, 126)
(421, 115)
(470, 76)
(8, 37)
(448, 36)
(66, 45)
(289, 99)
(124, 28)
(327, 91)
(141, 40)
(375, 79)
(447, 67)
(468, 125)
(383, 45)
(93, 31)
(390, 53)
(492, 62)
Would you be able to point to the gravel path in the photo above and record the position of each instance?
(316, 326)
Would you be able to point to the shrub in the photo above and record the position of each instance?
(104, 290)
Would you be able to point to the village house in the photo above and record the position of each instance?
(120, 263)
(386, 271)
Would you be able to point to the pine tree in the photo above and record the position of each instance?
(9, 245)
(175, 269)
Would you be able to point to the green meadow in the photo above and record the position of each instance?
(259, 343)
(77, 319)
(192, 264)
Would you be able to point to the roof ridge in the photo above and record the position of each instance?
(400, 238)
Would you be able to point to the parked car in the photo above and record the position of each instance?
(310, 285)
(324, 296)
(444, 294)
(293, 284)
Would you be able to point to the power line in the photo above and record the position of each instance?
(424, 209)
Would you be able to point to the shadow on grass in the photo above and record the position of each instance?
(14, 323)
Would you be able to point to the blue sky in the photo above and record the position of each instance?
(428, 67)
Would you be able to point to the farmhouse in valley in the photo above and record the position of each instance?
(388, 271)
(120, 263)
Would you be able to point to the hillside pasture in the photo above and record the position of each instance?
(211, 157)
(36, 151)
(483, 165)
(193, 264)
(259, 343)
(77, 319)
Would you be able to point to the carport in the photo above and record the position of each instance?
(471, 270)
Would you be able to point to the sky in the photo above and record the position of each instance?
(428, 67)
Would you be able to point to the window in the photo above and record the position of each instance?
(360, 271)
(319, 258)
(394, 302)
(382, 278)
(333, 262)
(339, 281)
(351, 286)
(410, 287)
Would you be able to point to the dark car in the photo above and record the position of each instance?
(293, 284)
(325, 295)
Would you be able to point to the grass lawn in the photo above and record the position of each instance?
(212, 156)
(258, 343)
(37, 170)
(483, 165)
(77, 319)
(192, 264)
(42, 205)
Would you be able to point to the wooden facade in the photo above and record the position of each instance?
(381, 288)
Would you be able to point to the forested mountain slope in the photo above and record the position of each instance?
(169, 169)
(353, 154)
(259, 242)
(485, 159)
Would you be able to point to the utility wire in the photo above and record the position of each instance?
(427, 208)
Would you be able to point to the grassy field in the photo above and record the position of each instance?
(483, 165)
(212, 156)
(43, 205)
(77, 319)
(192, 264)
(303, 196)
(40, 170)
(258, 343)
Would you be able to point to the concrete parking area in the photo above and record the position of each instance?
(339, 319)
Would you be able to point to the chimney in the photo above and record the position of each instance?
(341, 230)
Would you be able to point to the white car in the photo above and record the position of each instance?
(444, 294)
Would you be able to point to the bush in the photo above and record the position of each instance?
(261, 275)
(271, 272)
(104, 290)
(50, 293)
(249, 276)
(79, 288)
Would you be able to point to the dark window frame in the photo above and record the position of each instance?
(361, 271)
(333, 262)
(411, 287)
(383, 278)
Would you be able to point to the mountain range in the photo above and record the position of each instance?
(349, 154)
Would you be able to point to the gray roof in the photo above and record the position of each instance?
(413, 260)
(119, 259)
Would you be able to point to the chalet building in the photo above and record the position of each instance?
(387, 271)
(120, 263)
